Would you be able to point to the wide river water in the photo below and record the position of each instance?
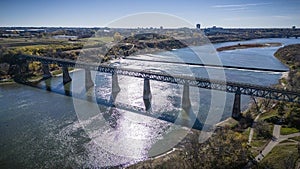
(43, 127)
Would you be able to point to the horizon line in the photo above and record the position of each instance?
(275, 27)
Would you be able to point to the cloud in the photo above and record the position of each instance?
(282, 17)
(234, 7)
(259, 18)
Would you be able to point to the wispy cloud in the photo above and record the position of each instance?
(282, 17)
(237, 7)
(257, 18)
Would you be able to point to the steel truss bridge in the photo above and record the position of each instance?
(226, 86)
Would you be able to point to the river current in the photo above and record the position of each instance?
(43, 127)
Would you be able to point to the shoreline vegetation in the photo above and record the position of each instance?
(137, 48)
(230, 136)
(100, 46)
(245, 46)
(270, 113)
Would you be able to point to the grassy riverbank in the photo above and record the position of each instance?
(287, 115)
(191, 154)
(227, 148)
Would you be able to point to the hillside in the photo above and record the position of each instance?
(290, 55)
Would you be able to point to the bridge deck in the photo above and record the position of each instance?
(232, 87)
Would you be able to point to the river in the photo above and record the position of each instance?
(43, 127)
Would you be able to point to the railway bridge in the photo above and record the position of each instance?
(232, 87)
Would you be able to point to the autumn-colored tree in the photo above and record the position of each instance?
(225, 149)
(117, 36)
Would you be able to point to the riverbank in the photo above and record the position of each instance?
(150, 46)
(282, 117)
(177, 157)
(7, 81)
(38, 78)
(245, 46)
(176, 154)
(60, 73)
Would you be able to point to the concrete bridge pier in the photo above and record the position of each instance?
(88, 79)
(46, 71)
(236, 109)
(188, 117)
(66, 75)
(115, 87)
(48, 85)
(186, 102)
(147, 96)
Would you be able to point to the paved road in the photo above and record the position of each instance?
(252, 129)
(284, 137)
(277, 138)
(276, 131)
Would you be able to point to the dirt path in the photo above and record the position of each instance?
(252, 129)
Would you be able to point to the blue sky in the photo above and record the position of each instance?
(90, 13)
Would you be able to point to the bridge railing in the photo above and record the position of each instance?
(227, 86)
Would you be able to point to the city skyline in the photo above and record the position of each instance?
(93, 13)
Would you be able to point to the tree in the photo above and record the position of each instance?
(248, 117)
(117, 36)
(226, 149)
(293, 116)
(257, 106)
(281, 108)
(196, 35)
(263, 130)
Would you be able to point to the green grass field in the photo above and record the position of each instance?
(296, 138)
(269, 114)
(101, 39)
(286, 130)
(282, 156)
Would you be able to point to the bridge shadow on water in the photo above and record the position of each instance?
(111, 110)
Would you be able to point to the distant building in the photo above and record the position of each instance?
(215, 30)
